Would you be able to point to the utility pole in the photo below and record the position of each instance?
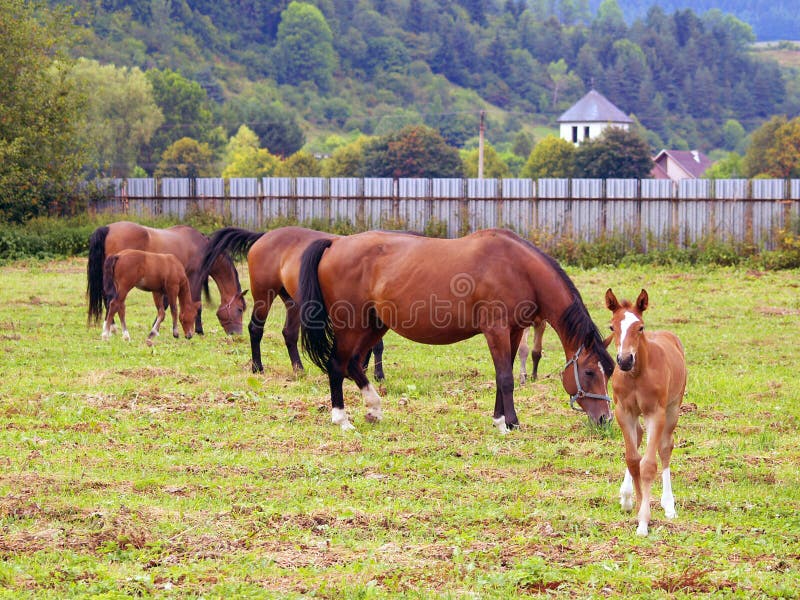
(480, 146)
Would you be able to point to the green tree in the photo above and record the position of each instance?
(299, 164)
(186, 111)
(617, 152)
(346, 161)
(732, 134)
(244, 158)
(186, 158)
(275, 125)
(121, 116)
(551, 157)
(755, 159)
(416, 151)
(304, 46)
(727, 167)
(40, 153)
(493, 165)
(783, 155)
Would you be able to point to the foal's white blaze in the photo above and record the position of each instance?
(667, 499)
(626, 494)
(373, 401)
(624, 325)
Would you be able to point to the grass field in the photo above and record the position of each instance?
(172, 471)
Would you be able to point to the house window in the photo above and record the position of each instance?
(575, 134)
(586, 133)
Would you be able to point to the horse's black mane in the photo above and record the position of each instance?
(575, 319)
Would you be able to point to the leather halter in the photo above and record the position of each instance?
(581, 393)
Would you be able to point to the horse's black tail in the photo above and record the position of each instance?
(109, 288)
(228, 240)
(94, 273)
(316, 331)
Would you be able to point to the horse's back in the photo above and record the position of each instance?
(182, 241)
(274, 259)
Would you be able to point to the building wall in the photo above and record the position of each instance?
(594, 130)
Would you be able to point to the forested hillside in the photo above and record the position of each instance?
(778, 20)
(341, 67)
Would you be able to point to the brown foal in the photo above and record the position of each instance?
(649, 382)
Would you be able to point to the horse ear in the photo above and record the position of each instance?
(642, 301)
(611, 301)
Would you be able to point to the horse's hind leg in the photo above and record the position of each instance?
(291, 331)
(335, 380)
(108, 324)
(377, 351)
(536, 352)
(523, 353)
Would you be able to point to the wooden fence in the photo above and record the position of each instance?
(649, 211)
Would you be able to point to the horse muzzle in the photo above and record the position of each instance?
(625, 361)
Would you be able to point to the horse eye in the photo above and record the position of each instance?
(611, 328)
(641, 328)
(589, 374)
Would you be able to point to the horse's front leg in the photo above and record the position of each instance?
(501, 346)
(665, 454)
(631, 433)
(654, 424)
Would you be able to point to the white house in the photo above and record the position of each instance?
(589, 116)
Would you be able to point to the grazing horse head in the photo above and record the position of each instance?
(627, 326)
(231, 312)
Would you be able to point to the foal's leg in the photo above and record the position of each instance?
(648, 468)
(665, 454)
(120, 310)
(160, 300)
(632, 434)
(172, 295)
(108, 324)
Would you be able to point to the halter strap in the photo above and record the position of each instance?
(581, 393)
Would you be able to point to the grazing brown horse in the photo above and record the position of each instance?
(188, 245)
(273, 259)
(649, 383)
(535, 353)
(437, 291)
(161, 274)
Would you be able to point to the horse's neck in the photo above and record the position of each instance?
(223, 275)
(184, 292)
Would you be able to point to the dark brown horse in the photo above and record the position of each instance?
(649, 384)
(436, 291)
(161, 274)
(188, 245)
(273, 259)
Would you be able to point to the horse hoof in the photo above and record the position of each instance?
(148, 342)
(641, 530)
(500, 423)
(373, 417)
